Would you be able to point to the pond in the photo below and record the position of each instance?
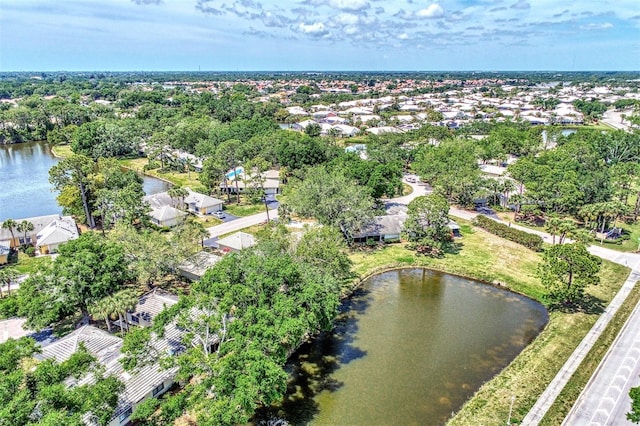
(410, 347)
(24, 174)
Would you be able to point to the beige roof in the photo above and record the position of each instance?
(201, 200)
(198, 264)
(166, 213)
(237, 241)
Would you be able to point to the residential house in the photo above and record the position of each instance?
(148, 381)
(236, 242)
(167, 216)
(195, 267)
(47, 234)
(202, 204)
(57, 232)
(270, 181)
(149, 306)
(194, 201)
(383, 228)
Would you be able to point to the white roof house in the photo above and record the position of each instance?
(148, 381)
(236, 242)
(201, 203)
(296, 110)
(167, 216)
(193, 201)
(384, 129)
(57, 232)
(346, 130)
(39, 224)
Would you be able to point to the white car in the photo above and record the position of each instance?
(410, 179)
(218, 214)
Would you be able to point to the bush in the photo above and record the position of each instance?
(9, 306)
(531, 241)
(30, 251)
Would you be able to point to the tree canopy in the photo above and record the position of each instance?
(333, 199)
(86, 270)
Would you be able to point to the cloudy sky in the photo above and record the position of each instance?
(285, 35)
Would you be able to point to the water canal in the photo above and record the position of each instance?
(410, 347)
(25, 190)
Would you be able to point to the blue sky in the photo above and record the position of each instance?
(50, 35)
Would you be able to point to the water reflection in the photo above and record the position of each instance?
(408, 348)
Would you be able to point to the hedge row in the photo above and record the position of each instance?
(532, 241)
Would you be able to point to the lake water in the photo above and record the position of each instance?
(409, 348)
(24, 179)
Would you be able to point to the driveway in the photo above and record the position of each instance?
(241, 222)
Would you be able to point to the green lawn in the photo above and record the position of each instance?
(486, 257)
(62, 151)
(29, 265)
(244, 209)
(183, 179)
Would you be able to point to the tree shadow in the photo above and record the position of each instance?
(312, 366)
(588, 304)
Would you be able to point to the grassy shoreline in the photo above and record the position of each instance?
(489, 259)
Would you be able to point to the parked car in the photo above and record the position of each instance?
(219, 214)
(410, 179)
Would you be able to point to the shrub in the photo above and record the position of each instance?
(9, 306)
(531, 241)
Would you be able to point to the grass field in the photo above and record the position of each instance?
(244, 209)
(183, 179)
(29, 265)
(61, 151)
(488, 258)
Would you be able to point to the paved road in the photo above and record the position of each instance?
(605, 400)
(240, 223)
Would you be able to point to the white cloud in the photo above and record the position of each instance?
(594, 26)
(347, 19)
(313, 29)
(353, 5)
(403, 36)
(433, 11)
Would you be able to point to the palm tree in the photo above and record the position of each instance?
(25, 226)
(552, 226)
(122, 302)
(7, 275)
(10, 224)
(102, 310)
(566, 227)
(189, 164)
(179, 193)
(506, 187)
